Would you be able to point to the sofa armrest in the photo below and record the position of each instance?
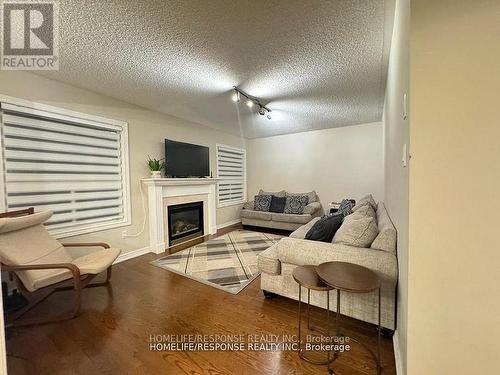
(303, 252)
(248, 205)
(312, 208)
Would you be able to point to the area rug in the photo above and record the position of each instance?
(228, 262)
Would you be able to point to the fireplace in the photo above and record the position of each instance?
(185, 222)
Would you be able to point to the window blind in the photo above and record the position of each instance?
(231, 171)
(73, 166)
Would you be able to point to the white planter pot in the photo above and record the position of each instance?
(156, 174)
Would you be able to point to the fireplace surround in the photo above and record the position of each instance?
(165, 192)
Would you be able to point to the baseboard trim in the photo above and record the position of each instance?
(229, 223)
(131, 254)
(397, 353)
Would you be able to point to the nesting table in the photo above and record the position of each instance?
(342, 277)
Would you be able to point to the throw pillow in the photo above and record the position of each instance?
(313, 197)
(324, 229)
(345, 207)
(366, 209)
(281, 193)
(368, 198)
(277, 204)
(359, 232)
(295, 204)
(262, 203)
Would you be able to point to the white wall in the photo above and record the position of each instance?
(337, 163)
(396, 134)
(147, 131)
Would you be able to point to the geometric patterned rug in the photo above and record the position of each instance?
(228, 262)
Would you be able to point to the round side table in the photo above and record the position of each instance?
(307, 277)
(351, 278)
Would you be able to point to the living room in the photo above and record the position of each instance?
(228, 159)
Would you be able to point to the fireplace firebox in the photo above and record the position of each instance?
(185, 221)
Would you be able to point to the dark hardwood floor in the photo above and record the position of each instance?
(112, 333)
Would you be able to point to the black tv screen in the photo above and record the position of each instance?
(186, 159)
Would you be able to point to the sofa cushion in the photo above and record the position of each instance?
(312, 195)
(386, 239)
(325, 228)
(302, 231)
(257, 215)
(248, 205)
(262, 203)
(281, 193)
(268, 261)
(277, 204)
(311, 208)
(295, 204)
(356, 231)
(291, 218)
(367, 198)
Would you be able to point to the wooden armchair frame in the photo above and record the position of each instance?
(76, 283)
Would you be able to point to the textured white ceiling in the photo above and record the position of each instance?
(317, 64)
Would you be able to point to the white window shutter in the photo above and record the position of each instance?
(231, 171)
(66, 162)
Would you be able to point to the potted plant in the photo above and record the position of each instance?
(156, 166)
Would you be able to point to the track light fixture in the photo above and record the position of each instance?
(250, 101)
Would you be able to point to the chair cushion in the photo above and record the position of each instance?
(10, 224)
(97, 261)
(92, 263)
(258, 215)
(291, 218)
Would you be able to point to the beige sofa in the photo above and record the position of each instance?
(273, 220)
(277, 263)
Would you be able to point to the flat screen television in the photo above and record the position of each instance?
(186, 159)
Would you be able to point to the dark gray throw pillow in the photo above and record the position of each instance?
(262, 203)
(277, 204)
(295, 204)
(325, 228)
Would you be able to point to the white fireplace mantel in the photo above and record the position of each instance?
(160, 188)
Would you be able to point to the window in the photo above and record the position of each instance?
(73, 164)
(231, 170)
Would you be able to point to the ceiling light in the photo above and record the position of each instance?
(250, 101)
(236, 96)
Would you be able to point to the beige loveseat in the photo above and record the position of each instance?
(273, 220)
(277, 263)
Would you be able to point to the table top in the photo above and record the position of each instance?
(307, 277)
(348, 277)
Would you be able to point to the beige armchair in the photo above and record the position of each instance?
(41, 265)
